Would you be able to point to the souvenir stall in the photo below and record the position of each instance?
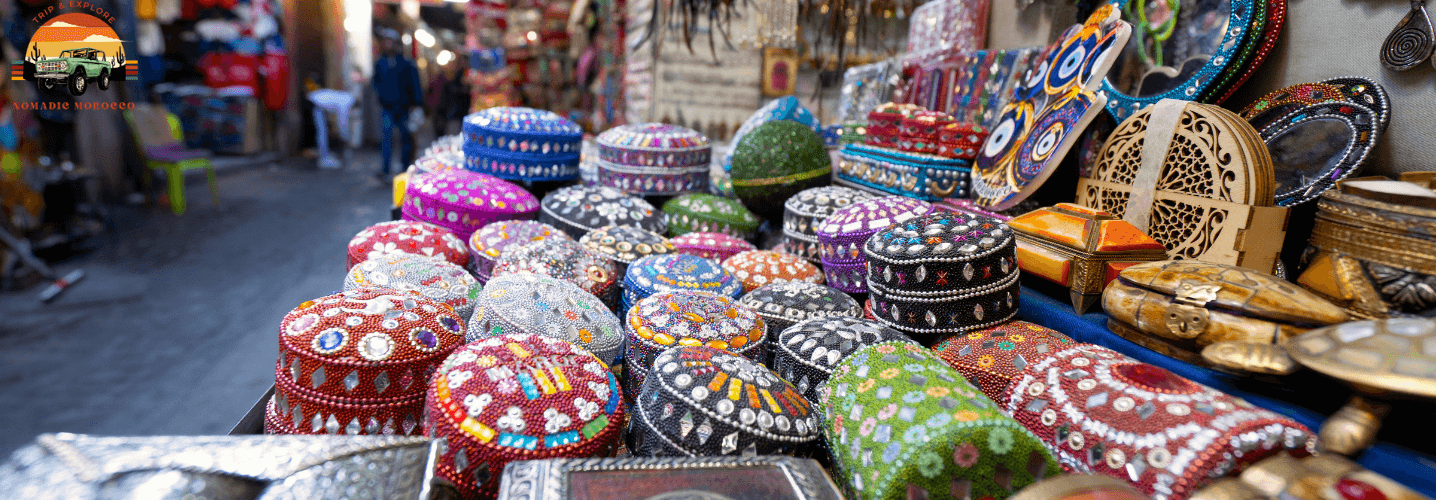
(1049, 251)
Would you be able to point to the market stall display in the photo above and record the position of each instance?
(566, 260)
(714, 246)
(653, 159)
(519, 397)
(841, 237)
(545, 306)
(437, 279)
(577, 210)
(756, 268)
(672, 272)
(522, 144)
(463, 201)
(488, 244)
(387, 238)
(805, 211)
(704, 401)
(704, 212)
(777, 160)
(355, 363)
(688, 318)
(1080, 248)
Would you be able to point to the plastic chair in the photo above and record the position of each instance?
(160, 137)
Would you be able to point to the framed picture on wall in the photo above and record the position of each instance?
(780, 72)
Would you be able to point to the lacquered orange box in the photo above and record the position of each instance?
(1080, 248)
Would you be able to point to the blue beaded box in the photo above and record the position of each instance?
(889, 171)
(522, 144)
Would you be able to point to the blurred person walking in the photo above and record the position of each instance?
(440, 99)
(396, 81)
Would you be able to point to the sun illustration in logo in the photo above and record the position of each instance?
(74, 51)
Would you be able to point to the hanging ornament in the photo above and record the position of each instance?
(1411, 42)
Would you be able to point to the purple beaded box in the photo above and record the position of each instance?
(841, 237)
(653, 159)
(488, 244)
(463, 201)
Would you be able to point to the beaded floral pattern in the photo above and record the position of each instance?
(715, 246)
(520, 397)
(625, 244)
(705, 212)
(578, 210)
(785, 303)
(541, 305)
(566, 260)
(761, 267)
(903, 424)
(394, 237)
(488, 244)
(991, 357)
(436, 279)
(803, 212)
(1105, 413)
(806, 353)
(689, 318)
(672, 272)
(463, 201)
(705, 401)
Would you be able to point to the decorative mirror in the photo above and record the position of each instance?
(1317, 145)
(1256, 51)
(1178, 50)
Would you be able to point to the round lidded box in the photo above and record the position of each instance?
(577, 210)
(653, 159)
(841, 236)
(761, 267)
(806, 352)
(670, 272)
(688, 318)
(567, 260)
(715, 246)
(625, 244)
(405, 236)
(702, 401)
(990, 358)
(522, 144)
(705, 212)
(436, 279)
(805, 211)
(943, 273)
(541, 305)
(776, 161)
(783, 304)
(355, 362)
(488, 244)
(519, 397)
(463, 201)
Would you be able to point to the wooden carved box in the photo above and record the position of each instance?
(1195, 177)
(1080, 248)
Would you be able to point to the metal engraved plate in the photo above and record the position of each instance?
(777, 477)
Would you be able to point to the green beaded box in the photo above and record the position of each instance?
(695, 212)
(776, 161)
(903, 424)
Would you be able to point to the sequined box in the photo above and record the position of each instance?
(991, 357)
(713, 246)
(653, 159)
(803, 212)
(519, 397)
(707, 213)
(901, 424)
(543, 305)
(354, 363)
(668, 319)
(567, 260)
(393, 237)
(1080, 248)
(488, 243)
(464, 202)
(1087, 401)
(672, 272)
(625, 244)
(960, 140)
(783, 304)
(891, 171)
(756, 268)
(701, 401)
(919, 132)
(943, 273)
(769, 477)
(522, 144)
(842, 235)
(438, 280)
(578, 209)
(805, 353)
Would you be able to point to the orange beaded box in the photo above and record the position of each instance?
(1080, 248)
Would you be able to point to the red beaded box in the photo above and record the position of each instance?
(404, 236)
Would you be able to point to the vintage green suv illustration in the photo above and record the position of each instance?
(75, 69)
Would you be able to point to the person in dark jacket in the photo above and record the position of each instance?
(396, 81)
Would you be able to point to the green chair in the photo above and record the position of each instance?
(160, 138)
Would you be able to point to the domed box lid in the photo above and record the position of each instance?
(578, 210)
(991, 357)
(1230, 289)
(433, 278)
(705, 401)
(625, 244)
(715, 246)
(496, 127)
(805, 211)
(653, 145)
(842, 234)
(542, 305)
(488, 244)
(463, 201)
(761, 267)
(805, 353)
(1086, 402)
(941, 254)
(671, 272)
(705, 212)
(688, 318)
(405, 236)
(567, 260)
(366, 344)
(520, 397)
(783, 304)
(899, 420)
